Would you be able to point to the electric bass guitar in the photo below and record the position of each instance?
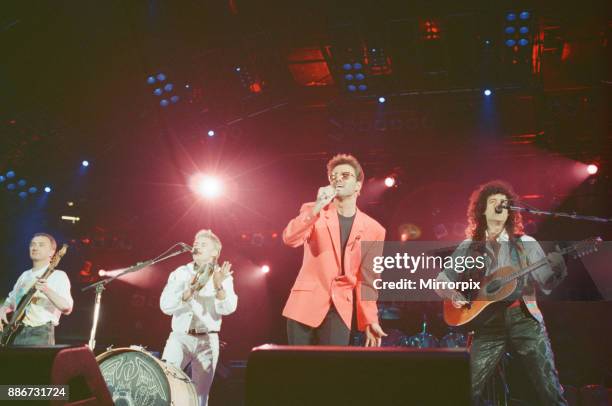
(501, 283)
(10, 330)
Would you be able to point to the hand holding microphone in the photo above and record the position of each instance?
(325, 195)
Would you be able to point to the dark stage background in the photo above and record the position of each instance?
(74, 87)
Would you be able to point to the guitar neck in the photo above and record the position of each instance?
(536, 265)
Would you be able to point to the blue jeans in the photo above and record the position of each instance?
(36, 336)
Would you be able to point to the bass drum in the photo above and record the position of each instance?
(136, 378)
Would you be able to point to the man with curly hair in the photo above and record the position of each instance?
(517, 322)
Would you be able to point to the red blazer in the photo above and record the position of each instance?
(320, 281)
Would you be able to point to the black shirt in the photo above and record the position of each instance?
(346, 224)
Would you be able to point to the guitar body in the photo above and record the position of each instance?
(492, 290)
(501, 284)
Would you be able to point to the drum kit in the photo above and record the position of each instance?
(424, 339)
(135, 377)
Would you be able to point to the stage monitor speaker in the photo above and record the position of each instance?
(56, 365)
(322, 376)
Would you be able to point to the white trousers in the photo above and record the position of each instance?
(203, 353)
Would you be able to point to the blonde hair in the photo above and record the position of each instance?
(206, 233)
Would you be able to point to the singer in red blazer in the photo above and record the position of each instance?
(320, 281)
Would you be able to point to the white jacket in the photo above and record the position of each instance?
(203, 311)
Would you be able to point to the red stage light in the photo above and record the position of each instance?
(265, 269)
(389, 181)
(592, 169)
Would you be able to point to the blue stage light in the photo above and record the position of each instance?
(510, 42)
(85, 163)
(47, 189)
(32, 189)
(158, 91)
(11, 186)
(348, 76)
(381, 99)
(510, 16)
(488, 92)
(357, 65)
(164, 103)
(523, 42)
(510, 30)
(347, 66)
(168, 87)
(10, 174)
(161, 77)
(351, 88)
(174, 99)
(360, 76)
(151, 80)
(21, 183)
(362, 88)
(524, 15)
(523, 30)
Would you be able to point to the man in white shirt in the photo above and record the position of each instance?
(197, 295)
(51, 300)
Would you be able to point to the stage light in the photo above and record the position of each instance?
(348, 76)
(164, 103)
(381, 100)
(158, 91)
(510, 16)
(2, 178)
(23, 195)
(347, 66)
(237, 69)
(510, 30)
(362, 88)
(174, 99)
(357, 66)
(21, 183)
(523, 42)
(592, 169)
(488, 92)
(510, 42)
(524, 15)
(151, 80)
(85, 163)
(211, 133)
(161, 77)
(10, 174)
(523, 30)
(360, 76)
(10, 186)
(487, 42)
(389, 181)
(207, 186)
(47, 189)
(265, 269)
(168, 87)
(351, 88)
(32, 190)
(102, 272)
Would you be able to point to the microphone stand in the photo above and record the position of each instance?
(558, 214)
(100, 286)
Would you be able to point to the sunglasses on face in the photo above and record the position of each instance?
(337, 176)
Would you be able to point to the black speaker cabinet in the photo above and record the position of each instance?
(318, 376)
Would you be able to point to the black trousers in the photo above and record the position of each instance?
(332, 331)
(527, 339)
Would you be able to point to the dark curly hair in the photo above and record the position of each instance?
(477, 223)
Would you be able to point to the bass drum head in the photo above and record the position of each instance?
(136, 378)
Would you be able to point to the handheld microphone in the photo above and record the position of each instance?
(501, 206)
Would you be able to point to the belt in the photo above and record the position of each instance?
(194, 332)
